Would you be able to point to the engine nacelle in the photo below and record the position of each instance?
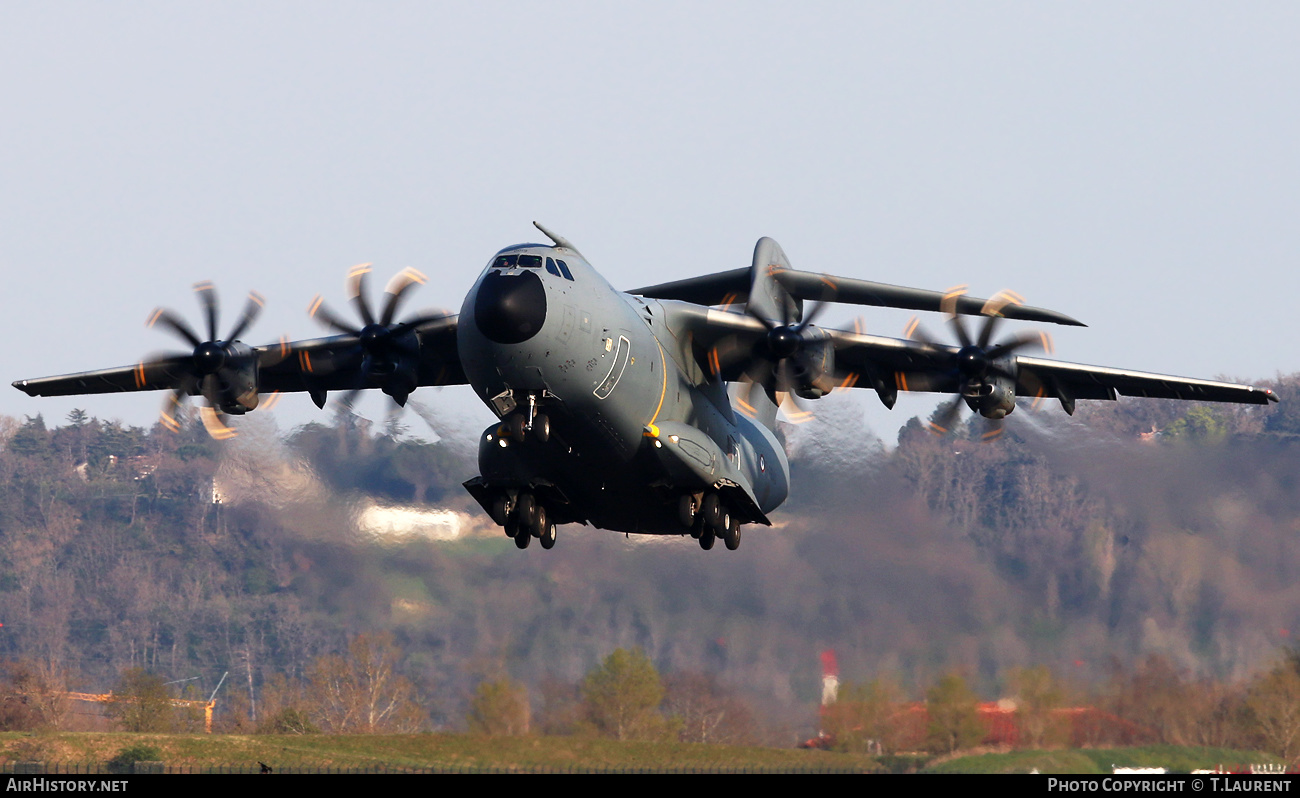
(993, 397)
(396, 375)
(232, 388)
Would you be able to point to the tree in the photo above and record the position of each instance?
(1274, 703)
(284, 707)
(864, 718)
(621, 696)
(499, 708)
(1038, 696)
(706, 711)
(953, 711)
(141, 702)
(363, 692)
(1161, 700)
(32, 697)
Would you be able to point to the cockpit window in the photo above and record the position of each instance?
(554, 266)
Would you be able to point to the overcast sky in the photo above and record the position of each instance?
(1133, 165)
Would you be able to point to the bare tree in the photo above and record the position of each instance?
(363, 692)
(1274, 703)
(708, 713)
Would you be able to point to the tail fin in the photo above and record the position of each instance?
(770, 300)
(767, 297)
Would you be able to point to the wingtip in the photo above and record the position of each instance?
(1066, 321)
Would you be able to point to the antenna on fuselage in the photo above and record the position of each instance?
(560, 241)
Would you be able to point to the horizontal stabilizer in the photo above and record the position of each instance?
(733, 286)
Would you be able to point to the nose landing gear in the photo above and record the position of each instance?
(528, 421)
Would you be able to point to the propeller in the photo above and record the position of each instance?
(978, 366)
(774, 358)
(222, 370)
(388, 349)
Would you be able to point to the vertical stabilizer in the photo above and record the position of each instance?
(767, 298)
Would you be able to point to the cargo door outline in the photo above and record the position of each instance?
(608, 384)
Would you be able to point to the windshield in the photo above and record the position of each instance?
(511, 261)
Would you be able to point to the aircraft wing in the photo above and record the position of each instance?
(1098, 382)
(906, 365)
(733, 286)
(321, 364)
(162, 374)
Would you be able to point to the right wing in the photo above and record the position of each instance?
(316, 365)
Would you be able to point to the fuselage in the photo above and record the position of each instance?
(635, 423)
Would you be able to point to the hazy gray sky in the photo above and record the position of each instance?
(1133, 165)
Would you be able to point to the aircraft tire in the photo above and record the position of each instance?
(686, 510)
(501, 510)
(732, 537)
(707, 537)
(511, 527)
(539, 523)
(548, 536)
(724, 523)
(516, 427)
(522, 538)
(712, 511)
(525, 510)
(541, 428)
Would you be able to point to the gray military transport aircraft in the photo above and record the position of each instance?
(650, 411)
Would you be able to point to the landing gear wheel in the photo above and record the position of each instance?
(548, 536)
(525, 510)
(541, 428)
(511, 527)
(687, 508)
(699, 526)
(539, 523)
(501, 507)
(515, 426)
(707, 537)
(522, 538)
(724, 523)
(712, 510)
(732, 536)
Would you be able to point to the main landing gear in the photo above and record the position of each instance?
(523, 519)
(709, 518)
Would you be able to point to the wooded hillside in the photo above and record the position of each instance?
(1070, 542)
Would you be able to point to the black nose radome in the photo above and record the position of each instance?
(510, 309)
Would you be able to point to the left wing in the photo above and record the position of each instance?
(728, 345)
(1074, 381)
(891, 363)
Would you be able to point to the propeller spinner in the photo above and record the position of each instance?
(984, 373)
(389, 350)
(223, 371)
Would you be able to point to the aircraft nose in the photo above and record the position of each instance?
(510, 308)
